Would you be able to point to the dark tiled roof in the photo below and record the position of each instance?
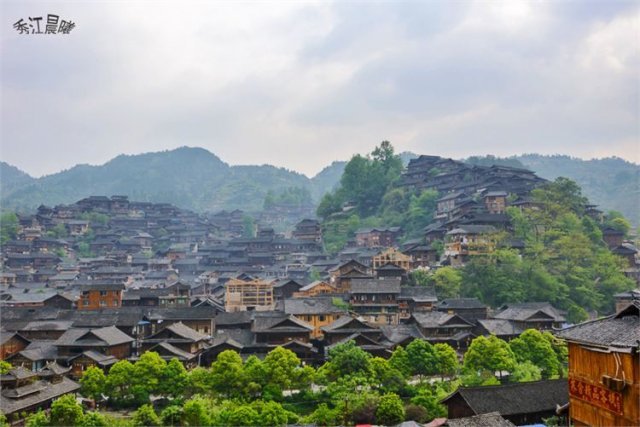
(500, 327)
(492, 419)
(183, 331)
(386, 285)
(173, 351)
(619, 330)
(438, 319)
(48, 392)
(395, 334)
(418, 293)
(517, 398)
(40, 350)
(461, 303)
(109, 336)
(317, 305)
(530, 310)
(348, 324)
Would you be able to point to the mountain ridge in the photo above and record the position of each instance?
(195, 178)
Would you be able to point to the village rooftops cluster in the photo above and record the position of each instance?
(106, 279)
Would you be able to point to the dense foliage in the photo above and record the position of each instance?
(565, 261)
(368, 197)
(280, 389)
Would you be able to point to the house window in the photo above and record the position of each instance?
(322, 318)
(85, 302)
(103, 293)
(103, 303)
(115, 302)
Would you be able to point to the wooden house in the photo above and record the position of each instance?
(376, 300)
(178, 335)
(108, 341)
(243, 295)
(521, 403)
(280, 329)
(415, 299)
(318, 311)
(23, 392)
(471, 309)
(377, 237)
(346, 326)
(604, 369)
(392, 256)
(439, 327)
(532, 315)
(495, 202)
(314, 289)
(11, 343)
(100, 295)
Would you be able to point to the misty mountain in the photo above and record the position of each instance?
(194, 178)
(612, 183)
(12, 178)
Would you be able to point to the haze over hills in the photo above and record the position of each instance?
(195, 178)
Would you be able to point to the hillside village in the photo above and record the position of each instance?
(109, 278)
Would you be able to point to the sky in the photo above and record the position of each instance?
(299, 84)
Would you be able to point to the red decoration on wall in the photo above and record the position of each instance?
(596, 395)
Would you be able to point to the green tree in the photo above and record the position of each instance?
(38, 419)
(145, 416)
(172, 416)
(174, 379)
(488, 354)
(525, 372)
(348, 359)
(273, 414)
(429, 400)
(446, 360)
(243, 415)
(248, 226)
(65, 411)
(93, 383)
(390, 411)
(422, 358)
(147, 373)
(532, 346)
(420, 212)
(58, 231)
(119, 383)
(94, 419)
(281, 364)
(9, 226)
(617, 221)
(5, 367)
(195, 413)
(400, 360)
(385, 376)
(198, 381)
(447, 282)
(227, 374)
(324, 416)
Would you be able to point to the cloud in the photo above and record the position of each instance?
(302, 84)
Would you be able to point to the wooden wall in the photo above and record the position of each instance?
(588, 366)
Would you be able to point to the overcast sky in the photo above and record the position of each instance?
(300, 84)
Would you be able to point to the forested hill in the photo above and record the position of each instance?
(196, 179)
(612, 183)
(191, 178)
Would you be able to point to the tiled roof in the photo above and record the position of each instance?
(517, 398)
(46, 392)
(620, 330)
(317, 305)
